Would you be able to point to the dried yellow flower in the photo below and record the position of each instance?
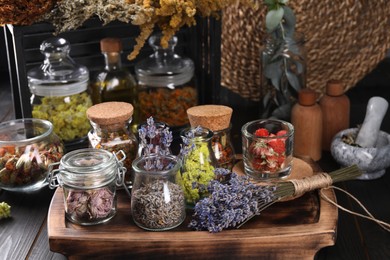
(168, 15)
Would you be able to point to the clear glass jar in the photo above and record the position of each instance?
(198, 165)
(111, 130)
(89, 178)
(223, 148)
(59, 92)
(157, 201)
(27, 148)
(114, 82)
(267, 148)
(166, 84)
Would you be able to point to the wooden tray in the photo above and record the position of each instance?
(294, 229)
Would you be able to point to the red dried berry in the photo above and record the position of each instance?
(261, 132)
(277, 145)
(281, 132)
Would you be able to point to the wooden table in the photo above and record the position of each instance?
(24, 236)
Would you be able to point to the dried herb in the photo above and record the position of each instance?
(158, 205)
(167, 105)
(223, 150)
(68, 114)
(23, 12)
(5, 210)
(89, 205)
(21, 166)
(234, 203)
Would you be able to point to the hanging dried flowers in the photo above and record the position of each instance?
(168, 15)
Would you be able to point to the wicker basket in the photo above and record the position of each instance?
(344, 40)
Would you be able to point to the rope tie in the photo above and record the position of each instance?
(320, 180)
(323, 181)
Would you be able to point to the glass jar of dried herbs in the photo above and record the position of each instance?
(157, 201)
(111, 122)
(166, 84)
(89, 178)
(59, 92)
(199, 163)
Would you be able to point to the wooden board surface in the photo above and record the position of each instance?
(291, 229)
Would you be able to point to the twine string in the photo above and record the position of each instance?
(320, 180)
(324, 181)
(384, 225)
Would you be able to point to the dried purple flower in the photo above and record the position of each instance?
(101, 203)
(230, 204)
(155, 138)
(188, 144)
(77, 204)
(89, 204)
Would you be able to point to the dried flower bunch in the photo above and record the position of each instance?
(154, 138)
(168, 15)
(234, 203)
(23, 12)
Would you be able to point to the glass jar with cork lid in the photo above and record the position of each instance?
(217, 119)
(166, 84)
(111, 122)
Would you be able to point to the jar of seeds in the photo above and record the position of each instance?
(89, 178)
(112, 131)
(157, 201)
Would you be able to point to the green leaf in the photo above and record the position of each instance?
(293, 80)
(283, 112)
(289, 21)
(283, 1)
(273, 71)
(273, 19)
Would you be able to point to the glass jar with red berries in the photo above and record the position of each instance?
(267, 146)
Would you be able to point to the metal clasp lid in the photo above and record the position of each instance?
(121, 171)
(52, 178)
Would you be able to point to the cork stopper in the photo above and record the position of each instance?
(334, 88)
(213, 117)
(111, 45)
(109, 113)
(307, 97)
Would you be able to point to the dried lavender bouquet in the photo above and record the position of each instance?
(234, 203)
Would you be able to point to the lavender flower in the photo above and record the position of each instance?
(155, 138)
(188, 144)
(230, 204)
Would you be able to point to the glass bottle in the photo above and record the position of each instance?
(114, 82)
(59, 92)
(27, 148)
(89, 178)
(111, 130)
(199, 164)
(157, 201)
(167, 84)
(283, 69)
